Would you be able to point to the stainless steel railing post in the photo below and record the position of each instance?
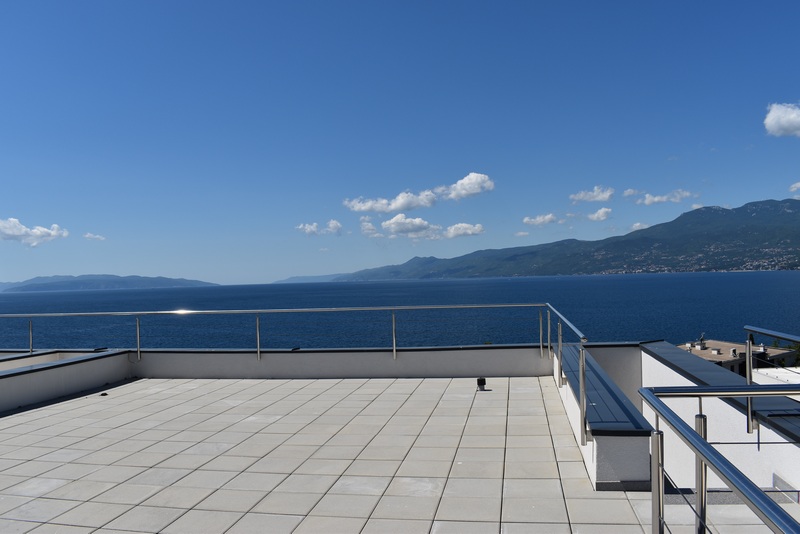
(138, 342)
(749, 379)
(541, 335)
(582, 386)
(560, 357)
(394, 336)
(657, 480)
(701, 477)
(258, 337)
(549, 344)
(30, 334)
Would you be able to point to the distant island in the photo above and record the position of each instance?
(97, 281)
(310, 279)
(759, 236)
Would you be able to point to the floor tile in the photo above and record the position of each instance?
(464, 527)
(535, 528)
(145, 519)
(288, 503)
(255, 523)
(127, 494)
(41, 510)
(80, 490)
(537, 510)
(477, 469)
(416, 486)
(315, 524)
(424, 468)
(231, 500)
(263, 482)
(360, 485)
(333, 505)
(36, 487)
(178, 497)
(9, 502)
(396, 526)
(594, 511)
(478, 509)
(306, 483)
(204, 521)
(406, 507)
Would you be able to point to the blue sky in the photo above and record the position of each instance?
(247, 142)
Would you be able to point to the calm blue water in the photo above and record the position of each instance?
(675, 307)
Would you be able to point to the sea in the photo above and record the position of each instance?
(676, 307)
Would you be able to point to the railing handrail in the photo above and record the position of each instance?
(268, 311)
(772, 514)
(756, 390)
(566, 321)
(772, 333)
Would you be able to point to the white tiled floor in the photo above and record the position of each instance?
(369, 456)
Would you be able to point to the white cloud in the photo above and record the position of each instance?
(95, 237)
(540, 220)
(308, 229)
(404, 201)
(333, 227)
(631, 192)
(463, 229)
(416, 228)
(598, 194)
(521, 234)
(783, 119)
(368, 229)
(12, 230)
(794, 187)
(472, 184)
(696, 206)
(674, 196)
(600, 215)
(639, 226)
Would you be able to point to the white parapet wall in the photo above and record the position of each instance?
(457, 362)
(45, 381)
(40, 377)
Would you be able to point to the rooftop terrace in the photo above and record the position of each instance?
(390, 440)
(360, 455)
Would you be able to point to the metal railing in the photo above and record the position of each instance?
(752, 423)
(706, 456)
(561, 378)
(258, 313)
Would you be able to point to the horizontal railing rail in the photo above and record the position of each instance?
(771, 513)
(772, 333)
(265, 311)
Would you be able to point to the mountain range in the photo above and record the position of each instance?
(97, 281)
(762, 235)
